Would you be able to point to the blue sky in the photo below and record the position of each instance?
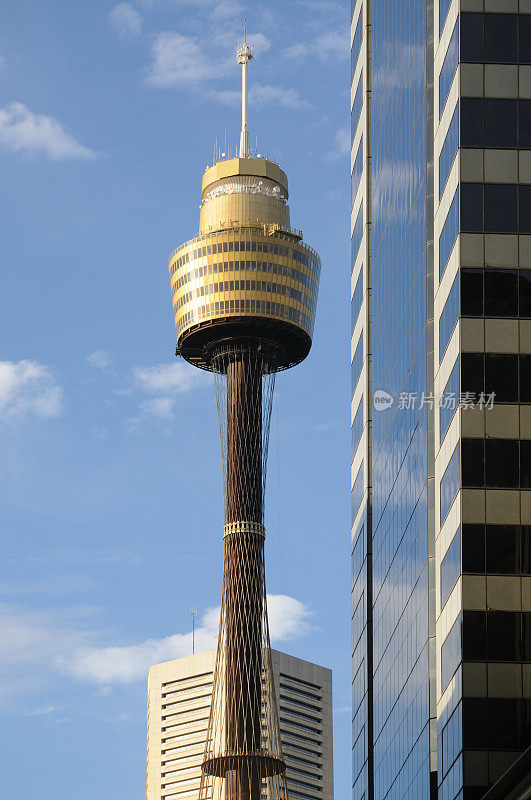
(110, 503)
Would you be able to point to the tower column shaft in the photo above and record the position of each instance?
(244, 574)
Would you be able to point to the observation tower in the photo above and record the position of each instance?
(244, 294)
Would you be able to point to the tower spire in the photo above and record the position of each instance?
(244, 55)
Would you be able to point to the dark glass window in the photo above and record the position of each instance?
(449, 150)
(502, 549)
(503, 636)
(450, 401)
(471, 292)
(525, 551)
(358, 554)
(525, 464)
(525, 378)
(501, 207)
(524, 209)
(501, 293)
(357, 428)
(451, 653)
(471, 37)
(451, 567)
(524, 293)
(490, 724)
(448, 68)
(501, 38)
(525, 618)
(472, 207)
(500, 123)
(524, 123)
(473, 462)
(473, 548)
(474, 636)
(501, 377)
(501, 462)
(472, 373)
(471, 122)
(524, 44)
(449, 317)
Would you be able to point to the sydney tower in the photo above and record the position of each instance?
(244, 294)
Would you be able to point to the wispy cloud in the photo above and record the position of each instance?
(341, 146)
(22, 131)
(328, 45)
(3, 61)
(168, 378)
(100, 359)
(28, 388)
(165, 382)
(36, 644)
(126, 20)
(182, 60)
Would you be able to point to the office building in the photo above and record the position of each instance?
(179, 698)
(441, 387)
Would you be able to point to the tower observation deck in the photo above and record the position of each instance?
(244, 295)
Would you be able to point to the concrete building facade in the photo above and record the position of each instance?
(179, 697)
(441, 393)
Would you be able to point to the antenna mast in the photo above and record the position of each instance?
(244, 55)
(193, 612)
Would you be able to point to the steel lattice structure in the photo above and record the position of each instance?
(244, 293)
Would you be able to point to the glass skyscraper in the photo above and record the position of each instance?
(441, 395)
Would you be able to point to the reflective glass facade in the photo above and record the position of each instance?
(441, 395)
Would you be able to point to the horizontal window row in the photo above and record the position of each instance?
(300, 691)
(495, 208)
(244, 307)
(496, 463)
(247, 247)
(496, 635)
(356, 43)
(485, 549)
(495, 293)
(357, 297)
(496, 38)
(244, 286)
(244, 266)
(507, 375)
(495, 122)
(491, 724)
(496, 549)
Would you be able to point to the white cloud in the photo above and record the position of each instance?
(161, 407)
(22, 131)
(36, 645)
(126, 20)
(182, 60)
(261, 96)
(226, 9)
(341, 146)
(165, 381)
(99, 359)
(28, 388)
(326, 46)
(288, 619)
(168, 378)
